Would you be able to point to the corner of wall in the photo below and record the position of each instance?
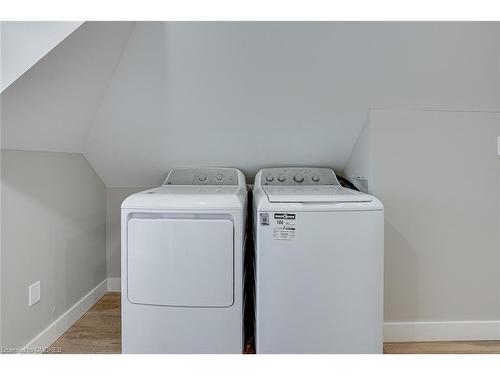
(358, 166)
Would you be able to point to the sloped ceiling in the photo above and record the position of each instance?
(50, 107)
(248, 94)
(25, 43)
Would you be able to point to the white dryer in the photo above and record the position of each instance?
(319, 264)
(182, 264)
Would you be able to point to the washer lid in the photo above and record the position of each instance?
(326, 194)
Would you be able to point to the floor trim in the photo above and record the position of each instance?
(114, 284)
(65, 321)
(442, 331)
(393, 331)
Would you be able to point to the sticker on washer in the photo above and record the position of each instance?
(284, 226)
(264, 218)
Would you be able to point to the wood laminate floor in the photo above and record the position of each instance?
(443, 347)
(99, 331)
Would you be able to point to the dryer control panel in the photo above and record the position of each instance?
(298, 176)
(203, 176)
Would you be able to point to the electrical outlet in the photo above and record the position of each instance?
(34, 293)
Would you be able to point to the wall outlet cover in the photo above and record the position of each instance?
(34, 293)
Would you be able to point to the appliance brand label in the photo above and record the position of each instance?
(284, 226)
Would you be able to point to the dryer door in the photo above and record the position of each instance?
(180, 262)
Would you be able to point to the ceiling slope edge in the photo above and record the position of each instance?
(52, 105)
(24, 43)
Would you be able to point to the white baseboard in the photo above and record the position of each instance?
(442, 331)
(114, 284)
(393, 331)
(66, 320)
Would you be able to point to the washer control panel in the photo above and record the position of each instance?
(203, 176)
(298, 176)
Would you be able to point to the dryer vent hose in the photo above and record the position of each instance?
(346, 183)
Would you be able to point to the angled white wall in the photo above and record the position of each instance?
(139, 102)
(53, 224)
(24, 43)
(438, 176)
(257, 94)
(51, 106)
(139, 98)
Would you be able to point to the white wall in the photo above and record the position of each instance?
(254, 94)
(438, 176)
(52, 105)
(114, 199)
(140, 98)
(53, 230)
(24, 43)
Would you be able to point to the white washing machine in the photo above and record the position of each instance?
(182, 264)
(319, 264)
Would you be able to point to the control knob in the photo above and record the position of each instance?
(298, 178)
